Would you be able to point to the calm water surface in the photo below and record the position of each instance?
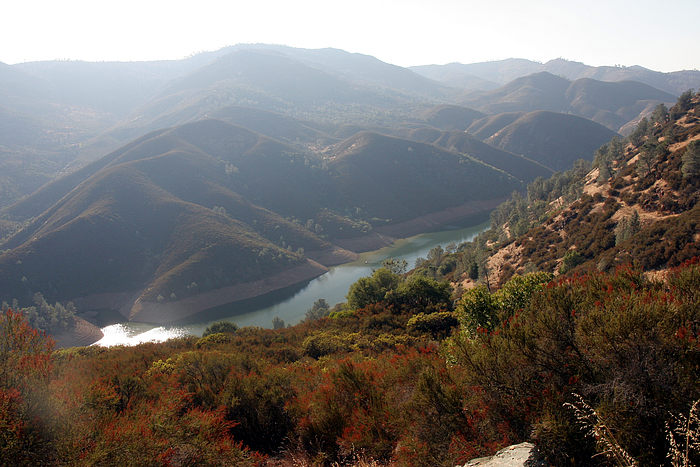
(291, 304)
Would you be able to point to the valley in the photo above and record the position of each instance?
(273, 256)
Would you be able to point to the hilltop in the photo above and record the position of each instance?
(487, 75)
(612, 104)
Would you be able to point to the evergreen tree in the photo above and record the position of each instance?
(627, 227)
(690, 165)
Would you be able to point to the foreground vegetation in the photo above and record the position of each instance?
(381, 381)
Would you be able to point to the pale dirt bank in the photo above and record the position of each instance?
(81, 334)
(160, 313)
(346, 250)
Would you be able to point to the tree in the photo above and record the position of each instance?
(221, 326)
(648, 156)
(395, 265)
(277, 323)
(368, 290)
(690, 163)
(627, 227)
(318, 310)
(637, 136)
(421, 291)
(660, 114)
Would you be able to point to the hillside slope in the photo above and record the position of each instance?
(208, 213)
(553, 139)
(638, 205)
(614, 105)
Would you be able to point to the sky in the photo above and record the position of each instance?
(658, 35)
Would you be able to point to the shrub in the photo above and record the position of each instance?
(211, 340)
(220, 327)
(437, 324)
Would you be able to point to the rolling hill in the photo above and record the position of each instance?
(614, 105)
(553, 139)
(503, 71)
(207, 213)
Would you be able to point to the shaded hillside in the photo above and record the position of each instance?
(273, 125)
(491, 124)
(518, 166)
(553, 139)
(395, 179)
(611, 104)
(208, 213)
(539, 91)
(459, 142)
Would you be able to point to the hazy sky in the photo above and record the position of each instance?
(659, 35)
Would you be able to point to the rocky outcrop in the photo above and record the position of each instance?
(518, 455)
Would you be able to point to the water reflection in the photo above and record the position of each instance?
(290, 304)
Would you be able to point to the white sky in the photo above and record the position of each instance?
(662, 35)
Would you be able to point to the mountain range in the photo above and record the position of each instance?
(182, 185)
(489, 75)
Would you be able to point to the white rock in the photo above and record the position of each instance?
(518, 455)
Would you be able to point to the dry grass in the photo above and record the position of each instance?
(595, 427)
(683, 434)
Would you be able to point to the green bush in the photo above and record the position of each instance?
(211, 340)
(219, 327)
(437, 324)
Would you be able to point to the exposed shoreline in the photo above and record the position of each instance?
(343, 251)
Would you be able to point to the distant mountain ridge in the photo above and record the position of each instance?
(503, 71)
(58, 116)
(614, 105)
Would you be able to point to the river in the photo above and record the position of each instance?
(292, 303)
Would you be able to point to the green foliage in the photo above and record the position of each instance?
(420, 292)
(640, 132)
(437, 324)
(627, 343)
(396, 266)
(627, 227)
(479, 309)
(213, 339)
(324, 343)
(220, 327)
(44, 316)
(691, 160)
(571, 259)
(682, 105)
(368, 290)
(660, 114)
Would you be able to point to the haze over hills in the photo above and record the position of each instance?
(64, 114)
(503, 71)
(614, 105)
(283, 158)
